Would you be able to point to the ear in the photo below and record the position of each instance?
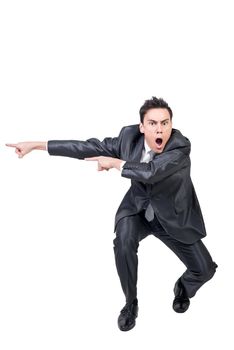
(141, 127)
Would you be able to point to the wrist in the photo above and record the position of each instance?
(39, 146)
(117, 164)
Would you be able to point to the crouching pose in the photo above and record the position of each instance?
(161, 200)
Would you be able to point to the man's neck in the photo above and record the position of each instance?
(147, 148)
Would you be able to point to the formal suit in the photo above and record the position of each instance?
(165, 183)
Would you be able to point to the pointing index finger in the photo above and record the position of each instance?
(11, 144)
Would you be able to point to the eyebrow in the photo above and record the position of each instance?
(162, 121)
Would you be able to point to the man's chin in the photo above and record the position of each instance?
(159, 149)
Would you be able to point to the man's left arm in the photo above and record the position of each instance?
(162, 166)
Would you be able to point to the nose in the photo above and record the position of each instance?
(159, 129)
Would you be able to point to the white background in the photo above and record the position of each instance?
(81, 69)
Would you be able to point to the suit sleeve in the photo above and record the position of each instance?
(93, 147)
(161, 167)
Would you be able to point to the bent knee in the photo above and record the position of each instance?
(207, 272)
(212, 270)
(125, 243)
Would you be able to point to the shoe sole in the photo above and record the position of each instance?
(125, 330)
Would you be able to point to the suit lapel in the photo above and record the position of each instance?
(137, 148)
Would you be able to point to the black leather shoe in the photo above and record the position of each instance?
(128, 315)
(181, 301)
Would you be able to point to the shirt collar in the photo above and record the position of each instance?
(147, 148)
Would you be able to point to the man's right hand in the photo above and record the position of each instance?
(23, 148)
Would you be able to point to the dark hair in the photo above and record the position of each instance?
(154, 102)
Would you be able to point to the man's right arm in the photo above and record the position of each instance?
(109, 147)
(93, 147)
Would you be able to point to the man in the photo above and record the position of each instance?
(161, 200)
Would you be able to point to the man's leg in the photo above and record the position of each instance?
(200, 266)
(129, 231)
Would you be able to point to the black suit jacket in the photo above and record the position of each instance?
(164, 182)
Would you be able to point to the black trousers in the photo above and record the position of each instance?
(199, 265)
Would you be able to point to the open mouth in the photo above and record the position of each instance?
(158, 141)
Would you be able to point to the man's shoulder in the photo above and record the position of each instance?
(131, 128)
(177, 140)
(131, 132)
(177, 134)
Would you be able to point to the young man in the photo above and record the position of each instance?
(161, 200)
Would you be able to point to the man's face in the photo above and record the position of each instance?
(157, 127)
